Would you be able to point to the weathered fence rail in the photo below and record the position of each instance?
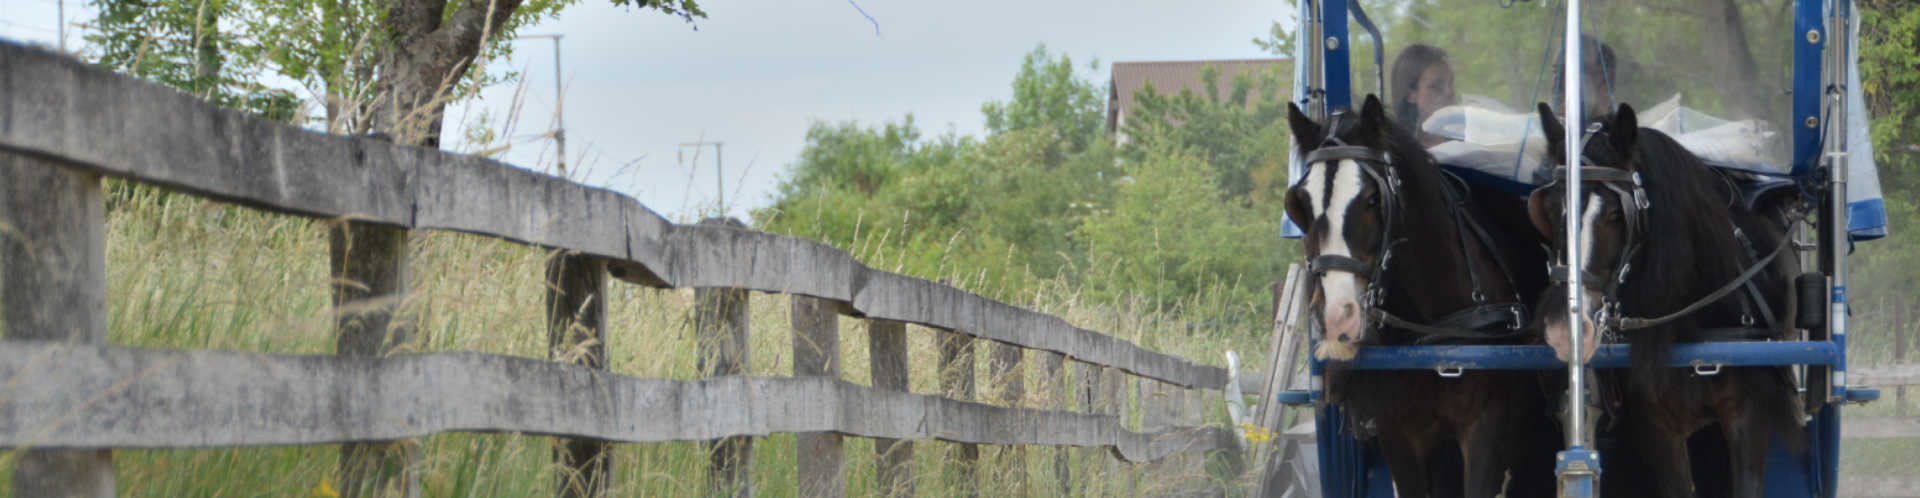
(87, 396)
(81, 117)
(71, 397)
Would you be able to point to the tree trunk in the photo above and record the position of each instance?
(425, 60)
(1737, 76)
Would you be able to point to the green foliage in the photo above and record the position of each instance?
(1887, 270)
(1242, 134)
(223, 50)
(1046, 94)
(686, 9)
(1177, 219)
(181, 45)
(1170, 236)
(1279, 41)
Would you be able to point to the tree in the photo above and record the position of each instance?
(390, 66)
(1170, 235)
(179, 44)
(1240, 134)
(429, 46)
(1046, 94)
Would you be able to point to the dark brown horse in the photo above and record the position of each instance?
(1664, 231)
(1403, 254)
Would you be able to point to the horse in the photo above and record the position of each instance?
(1672, 254)
(1402, 253)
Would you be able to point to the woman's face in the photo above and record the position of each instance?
(1434, 91)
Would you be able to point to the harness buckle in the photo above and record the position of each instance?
(1705, 369)
(1450, 372)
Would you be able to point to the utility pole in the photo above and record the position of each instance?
(720, 192)
(559, 109)
(62, 25)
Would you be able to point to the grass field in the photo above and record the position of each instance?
(187, 273)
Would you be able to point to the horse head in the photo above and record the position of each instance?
(1612, 214)
(1346, 205)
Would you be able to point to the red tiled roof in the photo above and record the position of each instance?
(1169, 77)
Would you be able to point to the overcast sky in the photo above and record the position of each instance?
(755, 74)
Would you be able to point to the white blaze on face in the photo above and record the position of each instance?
(1587, 219)
(1557, 330)
(1340, 289)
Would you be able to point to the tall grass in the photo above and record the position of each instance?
(188, 273)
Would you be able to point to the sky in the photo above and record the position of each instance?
(755, 75)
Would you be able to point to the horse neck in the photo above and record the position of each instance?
(1428, 275)
(1686, 254)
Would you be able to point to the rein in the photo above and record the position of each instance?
(1745, 278)
(1634, 201)
(1470, 323)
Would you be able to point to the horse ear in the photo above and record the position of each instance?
(1306, 133)
(1297, 208)
(1373, 115)
(1626, 132)
(1536, 210)
(1551, 124)
(1556, 134)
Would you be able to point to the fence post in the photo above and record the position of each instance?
(1058, 392)
(816, 353)
(369, 264)
(1113, 388)
(956, 381)
(576, 333)
(720, 331)
(1086, 380)
(887, 354)
(1164, 405)
(1005, 373)
(53, 286)
(1156, 411)
(1900, 338)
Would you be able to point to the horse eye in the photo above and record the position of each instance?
(1373, 200)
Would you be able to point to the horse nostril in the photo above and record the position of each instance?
(1344, 338)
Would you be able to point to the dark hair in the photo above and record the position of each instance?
(1597, 58)
(1412, 62)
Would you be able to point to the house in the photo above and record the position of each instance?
(1169, 77)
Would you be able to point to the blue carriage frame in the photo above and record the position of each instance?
(1351, 469)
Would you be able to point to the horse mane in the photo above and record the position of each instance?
(1690, 214)
(1424, 215)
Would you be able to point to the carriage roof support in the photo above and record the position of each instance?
(1821, 47)
(1578, 467)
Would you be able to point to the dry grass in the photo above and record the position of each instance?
(187, 273)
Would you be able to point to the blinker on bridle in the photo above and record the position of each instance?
(1388, 186)
(1626, 188)
(1470, 323)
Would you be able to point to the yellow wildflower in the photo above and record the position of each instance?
(325, 490)
(1256, 434)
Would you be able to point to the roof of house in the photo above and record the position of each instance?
(1169, 77)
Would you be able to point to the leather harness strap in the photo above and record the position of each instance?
(1635, 203)
(1475, 323)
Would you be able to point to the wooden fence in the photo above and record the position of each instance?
(69, 398)
(1891, 378)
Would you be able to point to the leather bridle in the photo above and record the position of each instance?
(1627, 189)
(1483, 321)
